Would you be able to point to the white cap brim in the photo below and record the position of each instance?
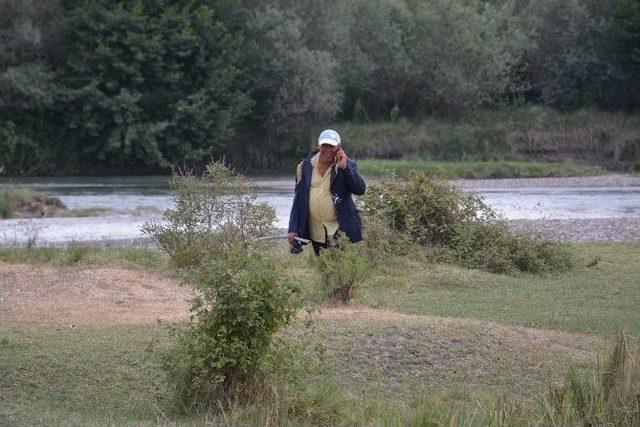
(328, 141)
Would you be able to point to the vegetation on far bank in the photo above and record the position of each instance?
(533, 134)
(254, 82)
(477, 169)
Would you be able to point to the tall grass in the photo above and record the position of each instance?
(477, 169)
(610, 395)
(526, 133)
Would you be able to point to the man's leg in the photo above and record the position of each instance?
(317, 246)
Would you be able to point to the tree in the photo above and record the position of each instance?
(28, 89)
(150, 83)
(293, 86)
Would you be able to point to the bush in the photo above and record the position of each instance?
(213, 213)
(431, 213)
(243, 301)
(242, 298)
(426, 210)
(342, 269)
(492, 247)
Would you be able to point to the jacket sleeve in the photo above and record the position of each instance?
(294, 225)
(355, 183)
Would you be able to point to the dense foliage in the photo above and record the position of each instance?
(424, 211)
(136, 86)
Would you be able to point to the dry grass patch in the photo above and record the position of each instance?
(88, 296)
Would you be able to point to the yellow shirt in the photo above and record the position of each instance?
(323, 221)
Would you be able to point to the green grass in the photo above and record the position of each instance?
(594, 300)
(477, 169)
(77, 253)
(352, 369)
(97, 375)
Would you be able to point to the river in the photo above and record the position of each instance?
(131, 201)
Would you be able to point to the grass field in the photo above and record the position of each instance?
(424, 343)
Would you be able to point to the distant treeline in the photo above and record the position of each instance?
(136, 86)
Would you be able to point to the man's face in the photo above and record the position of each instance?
(328, 152)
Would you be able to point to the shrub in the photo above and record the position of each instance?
(427, 210)
(213, 214)
(242, 298)
(342, 269)
(432, 213)
(243, 301)
(492, 247)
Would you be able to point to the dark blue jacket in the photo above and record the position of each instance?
(344, 183)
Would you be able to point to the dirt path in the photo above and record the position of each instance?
(88, 295)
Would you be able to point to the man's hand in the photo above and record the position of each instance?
(291, 236)
(342, 159)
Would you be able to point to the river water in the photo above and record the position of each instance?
(131, 201)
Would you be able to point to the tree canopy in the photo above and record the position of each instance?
(138, 86)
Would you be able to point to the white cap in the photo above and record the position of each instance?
(329, 136)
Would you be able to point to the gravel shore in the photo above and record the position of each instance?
(613, 180)
(568, 230)
(580, 230)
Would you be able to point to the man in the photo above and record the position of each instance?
(323, 204)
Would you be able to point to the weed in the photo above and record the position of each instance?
(342, 270)
(609, 396)
(74, 253)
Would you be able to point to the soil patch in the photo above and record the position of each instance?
(88, 295)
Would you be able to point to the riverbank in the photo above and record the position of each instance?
(529, 133)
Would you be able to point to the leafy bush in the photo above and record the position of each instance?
(243, 301)
(242, 298)
(431, 213)
(342, 269)
(492, 247)
(427, 210)
(213, 214)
